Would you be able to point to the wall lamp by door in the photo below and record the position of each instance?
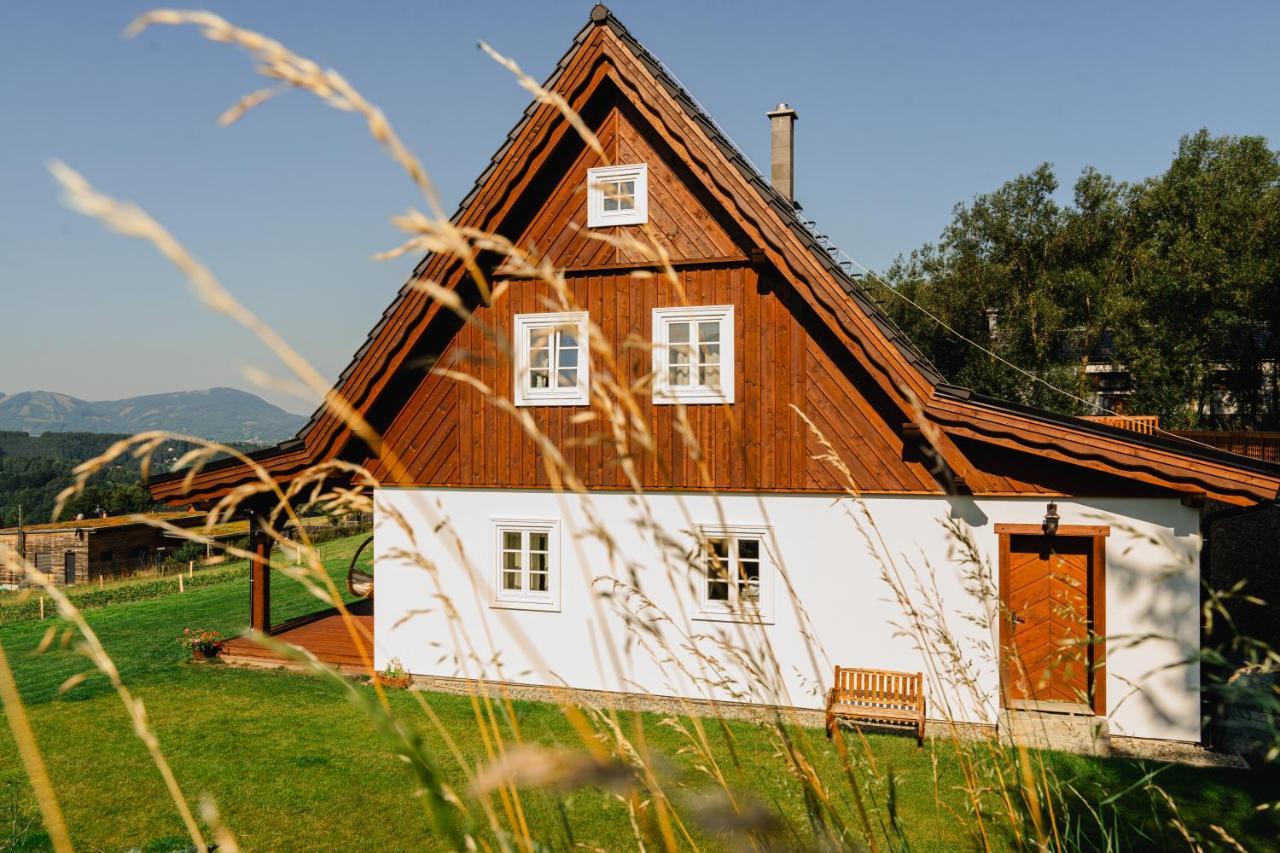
(1051, 519)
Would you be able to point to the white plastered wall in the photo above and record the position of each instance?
(626, 618)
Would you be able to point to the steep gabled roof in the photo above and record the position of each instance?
(603, 51)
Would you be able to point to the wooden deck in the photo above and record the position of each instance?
(324, 634)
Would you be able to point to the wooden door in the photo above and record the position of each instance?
(1048, 595)
(69, 568)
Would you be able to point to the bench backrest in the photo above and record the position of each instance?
(878, 688)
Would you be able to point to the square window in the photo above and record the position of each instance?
(527, 564)
(552, 364)
(617, 195)
(735, 582)
(693, 354)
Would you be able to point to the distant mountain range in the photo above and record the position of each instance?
(220, 414)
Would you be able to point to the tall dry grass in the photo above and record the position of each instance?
(1011, 797)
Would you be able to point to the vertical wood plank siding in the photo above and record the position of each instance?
(449, 434)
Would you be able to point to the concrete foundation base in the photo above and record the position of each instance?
(1061, 726)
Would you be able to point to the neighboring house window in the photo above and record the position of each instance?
(617, 195)
(552, 359)
(736, 577)
(44, 562)
(527, 564)
(693, 354)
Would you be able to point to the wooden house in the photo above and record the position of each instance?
(774, 390)
(84, 549)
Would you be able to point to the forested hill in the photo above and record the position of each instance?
(218, 414)
(34, 469)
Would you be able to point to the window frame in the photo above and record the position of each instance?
(523, 599)
(597, 216)
(664, 393)
(522, 335)
(733, 610)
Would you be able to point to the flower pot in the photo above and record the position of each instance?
(203, 655)
(396, 683)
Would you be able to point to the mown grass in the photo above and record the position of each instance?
(292, 766)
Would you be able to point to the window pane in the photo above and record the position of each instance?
(539, 338)
(678, 354)
(511, 576)
(709, 376)
(709, 331)
(716, 562)
(539, 357)
(568, 357)
(538, 581)
(717, 567)
(678, 376)
(678, 333)
(537, 561)
(539, 378)
(568, 337)
(749, 549)
(511, 540)
(538, 541)
(749, 580)
(709, 354)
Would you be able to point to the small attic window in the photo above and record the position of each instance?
(617, 195)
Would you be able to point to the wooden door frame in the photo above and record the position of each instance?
(1097, 601)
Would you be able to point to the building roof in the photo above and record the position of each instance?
(907, 378)
(111, 521)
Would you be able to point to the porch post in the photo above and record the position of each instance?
(259, 573)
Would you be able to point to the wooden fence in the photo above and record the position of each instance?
(1255, 444)
(1259, 445)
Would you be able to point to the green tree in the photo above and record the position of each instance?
(1201, 297)
(1183, 269)
(1019, 274)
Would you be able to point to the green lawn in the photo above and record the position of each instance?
(292, 765)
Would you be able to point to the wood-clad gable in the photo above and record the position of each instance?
(808, 338)
(449, 433)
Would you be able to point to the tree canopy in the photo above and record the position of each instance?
(1178, 275)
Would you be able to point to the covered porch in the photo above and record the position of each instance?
(323, 633)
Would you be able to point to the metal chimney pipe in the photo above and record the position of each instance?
(782, 156)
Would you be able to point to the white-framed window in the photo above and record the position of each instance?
(735, 573)
(526, 564)
(552, 359)
(693, 354)
(617, 195)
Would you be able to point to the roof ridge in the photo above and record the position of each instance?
(602, 16)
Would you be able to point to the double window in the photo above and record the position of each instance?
(552, 360)
(735, 579)
(693, 354)
(692, 357)
(617, 195)
(527, 564)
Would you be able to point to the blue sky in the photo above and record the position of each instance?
(905, 110)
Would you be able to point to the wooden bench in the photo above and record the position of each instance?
(877, 695)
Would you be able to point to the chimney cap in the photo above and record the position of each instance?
(783, 109)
